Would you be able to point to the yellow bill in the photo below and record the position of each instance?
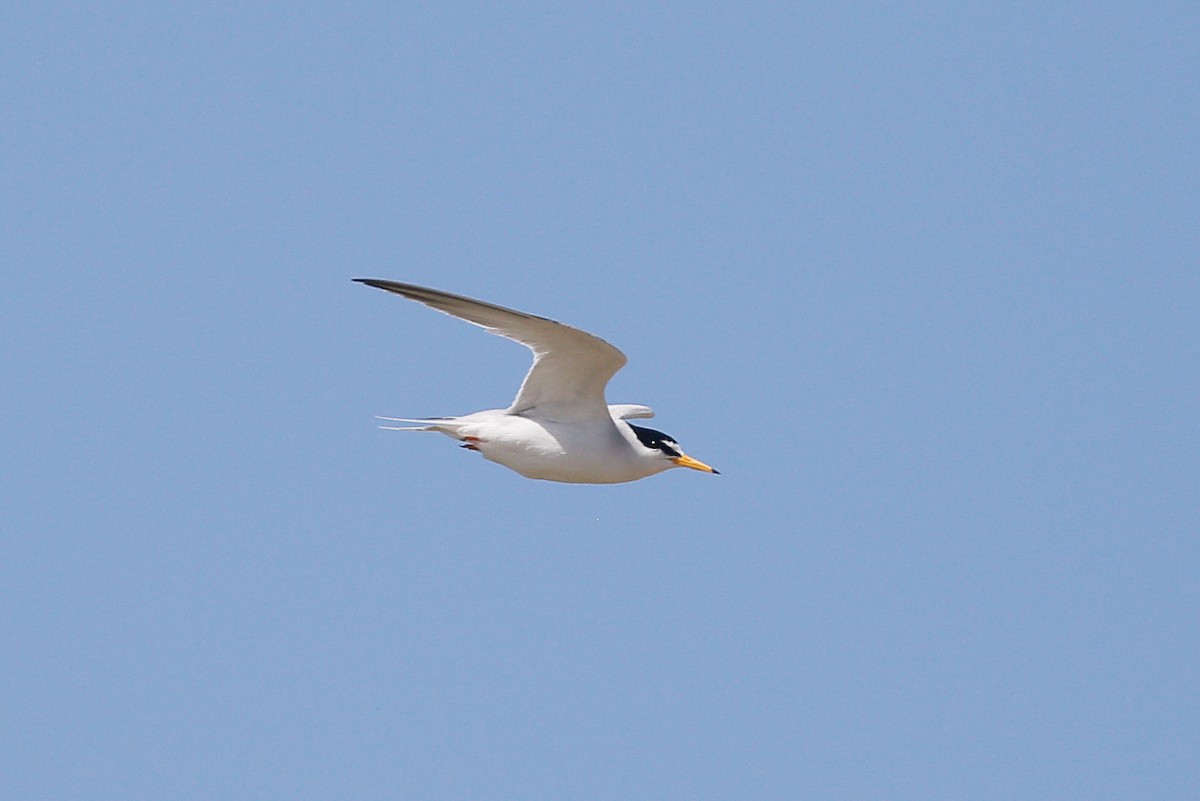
(695, 464)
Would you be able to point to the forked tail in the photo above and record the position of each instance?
(445, 425)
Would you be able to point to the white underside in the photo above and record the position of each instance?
(603, 451)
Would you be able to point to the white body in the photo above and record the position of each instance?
(593, 452)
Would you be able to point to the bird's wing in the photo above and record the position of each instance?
(570, 367)
(629, 411)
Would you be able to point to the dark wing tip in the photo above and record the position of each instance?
(407, 290)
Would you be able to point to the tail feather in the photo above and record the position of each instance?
(444, 425)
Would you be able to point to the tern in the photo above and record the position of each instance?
(559, 427)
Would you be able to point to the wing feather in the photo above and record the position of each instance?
(570, 367)
(629, 411)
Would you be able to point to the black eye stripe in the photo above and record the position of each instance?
(656, 440)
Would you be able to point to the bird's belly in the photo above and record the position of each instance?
(566, 455)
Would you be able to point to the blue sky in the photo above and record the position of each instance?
(920, 281)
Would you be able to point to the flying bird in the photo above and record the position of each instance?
(559, 427)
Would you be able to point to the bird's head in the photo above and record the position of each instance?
(664, 447)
